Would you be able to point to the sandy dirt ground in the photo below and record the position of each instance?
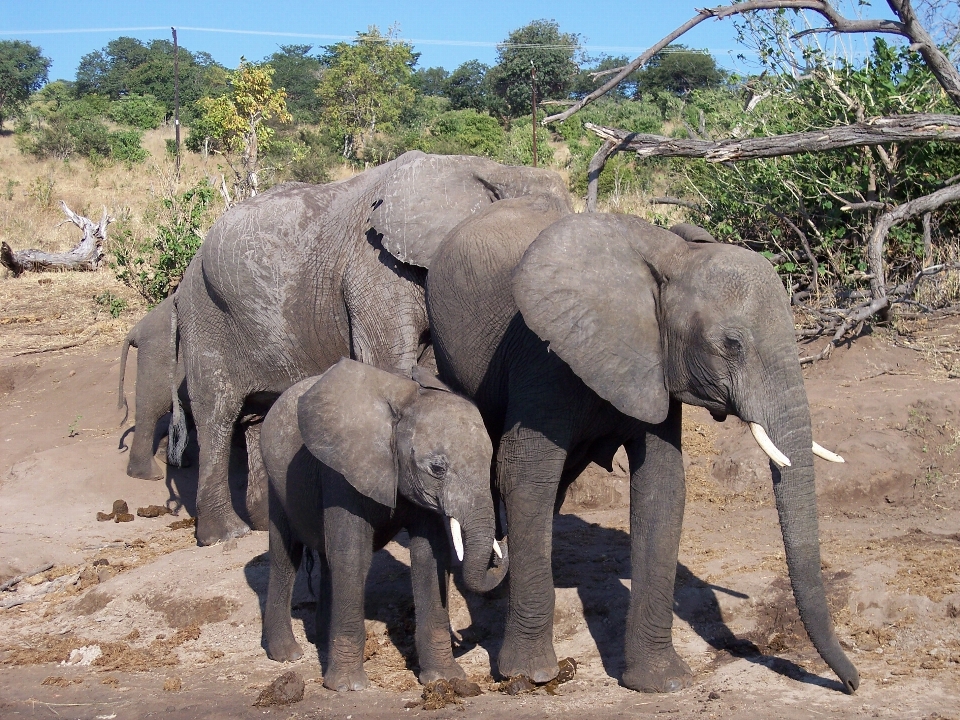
(132, 620)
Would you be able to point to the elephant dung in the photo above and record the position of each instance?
(440, 693)
(152, 511)
(285, 690)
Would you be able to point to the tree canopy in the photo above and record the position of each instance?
(23, 70)
(679, 70)
(540, 45)
(364, 85)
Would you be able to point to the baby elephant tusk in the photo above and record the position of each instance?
(457, 538)
(766, 444)
(822, 452)
(497, 550)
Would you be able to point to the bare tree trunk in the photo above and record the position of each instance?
(87, 255)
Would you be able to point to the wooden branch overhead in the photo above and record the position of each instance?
(87, 255)
(907, 26)
(878, 131)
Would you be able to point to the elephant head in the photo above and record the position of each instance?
(425, 196)
(642, 316)
(387, 434)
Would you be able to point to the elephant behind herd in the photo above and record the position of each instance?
(573, 334)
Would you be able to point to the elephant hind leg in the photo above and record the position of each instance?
(217, 520)
(286, 551)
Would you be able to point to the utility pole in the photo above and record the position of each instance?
(176, 99)
(533, 104)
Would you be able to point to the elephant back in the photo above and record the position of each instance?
(469, 295)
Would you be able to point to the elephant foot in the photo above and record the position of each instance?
(210, 532)
(148, 470)
(447, 671)
(540, 666)
(343, 680)
(667, 673)
(285, 650)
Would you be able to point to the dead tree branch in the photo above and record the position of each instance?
(907, 26)
(87, 255)
(918, 127)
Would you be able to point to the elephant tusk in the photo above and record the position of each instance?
(822, 452)
(766, 444)
(497, 550)
(457, 538)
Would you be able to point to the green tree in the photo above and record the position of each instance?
(679, 70)
(23, 70)
(297, 72)
(364, 86)
(126, 66)
(467, 87)
(541, 45)
(431, 81)
(235, 122)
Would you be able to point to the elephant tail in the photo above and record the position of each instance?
(177, 435)
(121, 397)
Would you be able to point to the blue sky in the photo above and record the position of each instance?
(446, 33)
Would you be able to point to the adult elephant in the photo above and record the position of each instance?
(576, 334)
(290, 281)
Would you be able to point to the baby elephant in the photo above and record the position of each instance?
(353, 456)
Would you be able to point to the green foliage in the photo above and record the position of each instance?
(431, 81)
(297, 73)
(518, 147)
(111, 303)
(679, 70)
(154, 267)
(364, 87)
(552, 53)
(622, 173)
(583, 84)
(140, 111)
(762, 203)
(23, 70)
(126, 66)
(464, 132)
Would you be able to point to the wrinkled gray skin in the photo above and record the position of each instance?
(288, 282)
(354, 456)
(156, 371)
(155, 374)
(590, 335)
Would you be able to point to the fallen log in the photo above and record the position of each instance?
(87, 255)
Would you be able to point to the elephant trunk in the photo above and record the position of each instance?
(795, 493)
(477, 526)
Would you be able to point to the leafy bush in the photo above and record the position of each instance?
(154, 266)
(140, 111)
(464, 132)
(518, 146)
(125, 146)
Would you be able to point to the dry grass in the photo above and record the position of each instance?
(43, 310)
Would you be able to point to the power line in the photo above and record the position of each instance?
(318, 36)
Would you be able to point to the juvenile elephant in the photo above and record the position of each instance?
(291, 280)
(576, 334)
(352, 457)
(156, 367)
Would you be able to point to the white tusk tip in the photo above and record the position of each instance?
(822, 452)
(457, 537)
(766, 444)
(497, 550)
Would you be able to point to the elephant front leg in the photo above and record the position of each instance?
(529, 469)
(285, 555)
(349, 545)
(429, 556)
(657, 496)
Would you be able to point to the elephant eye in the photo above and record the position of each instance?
(437, 467)
(732, 345)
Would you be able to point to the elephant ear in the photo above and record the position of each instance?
(347, 421)
(424, 198)
(584, 287)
